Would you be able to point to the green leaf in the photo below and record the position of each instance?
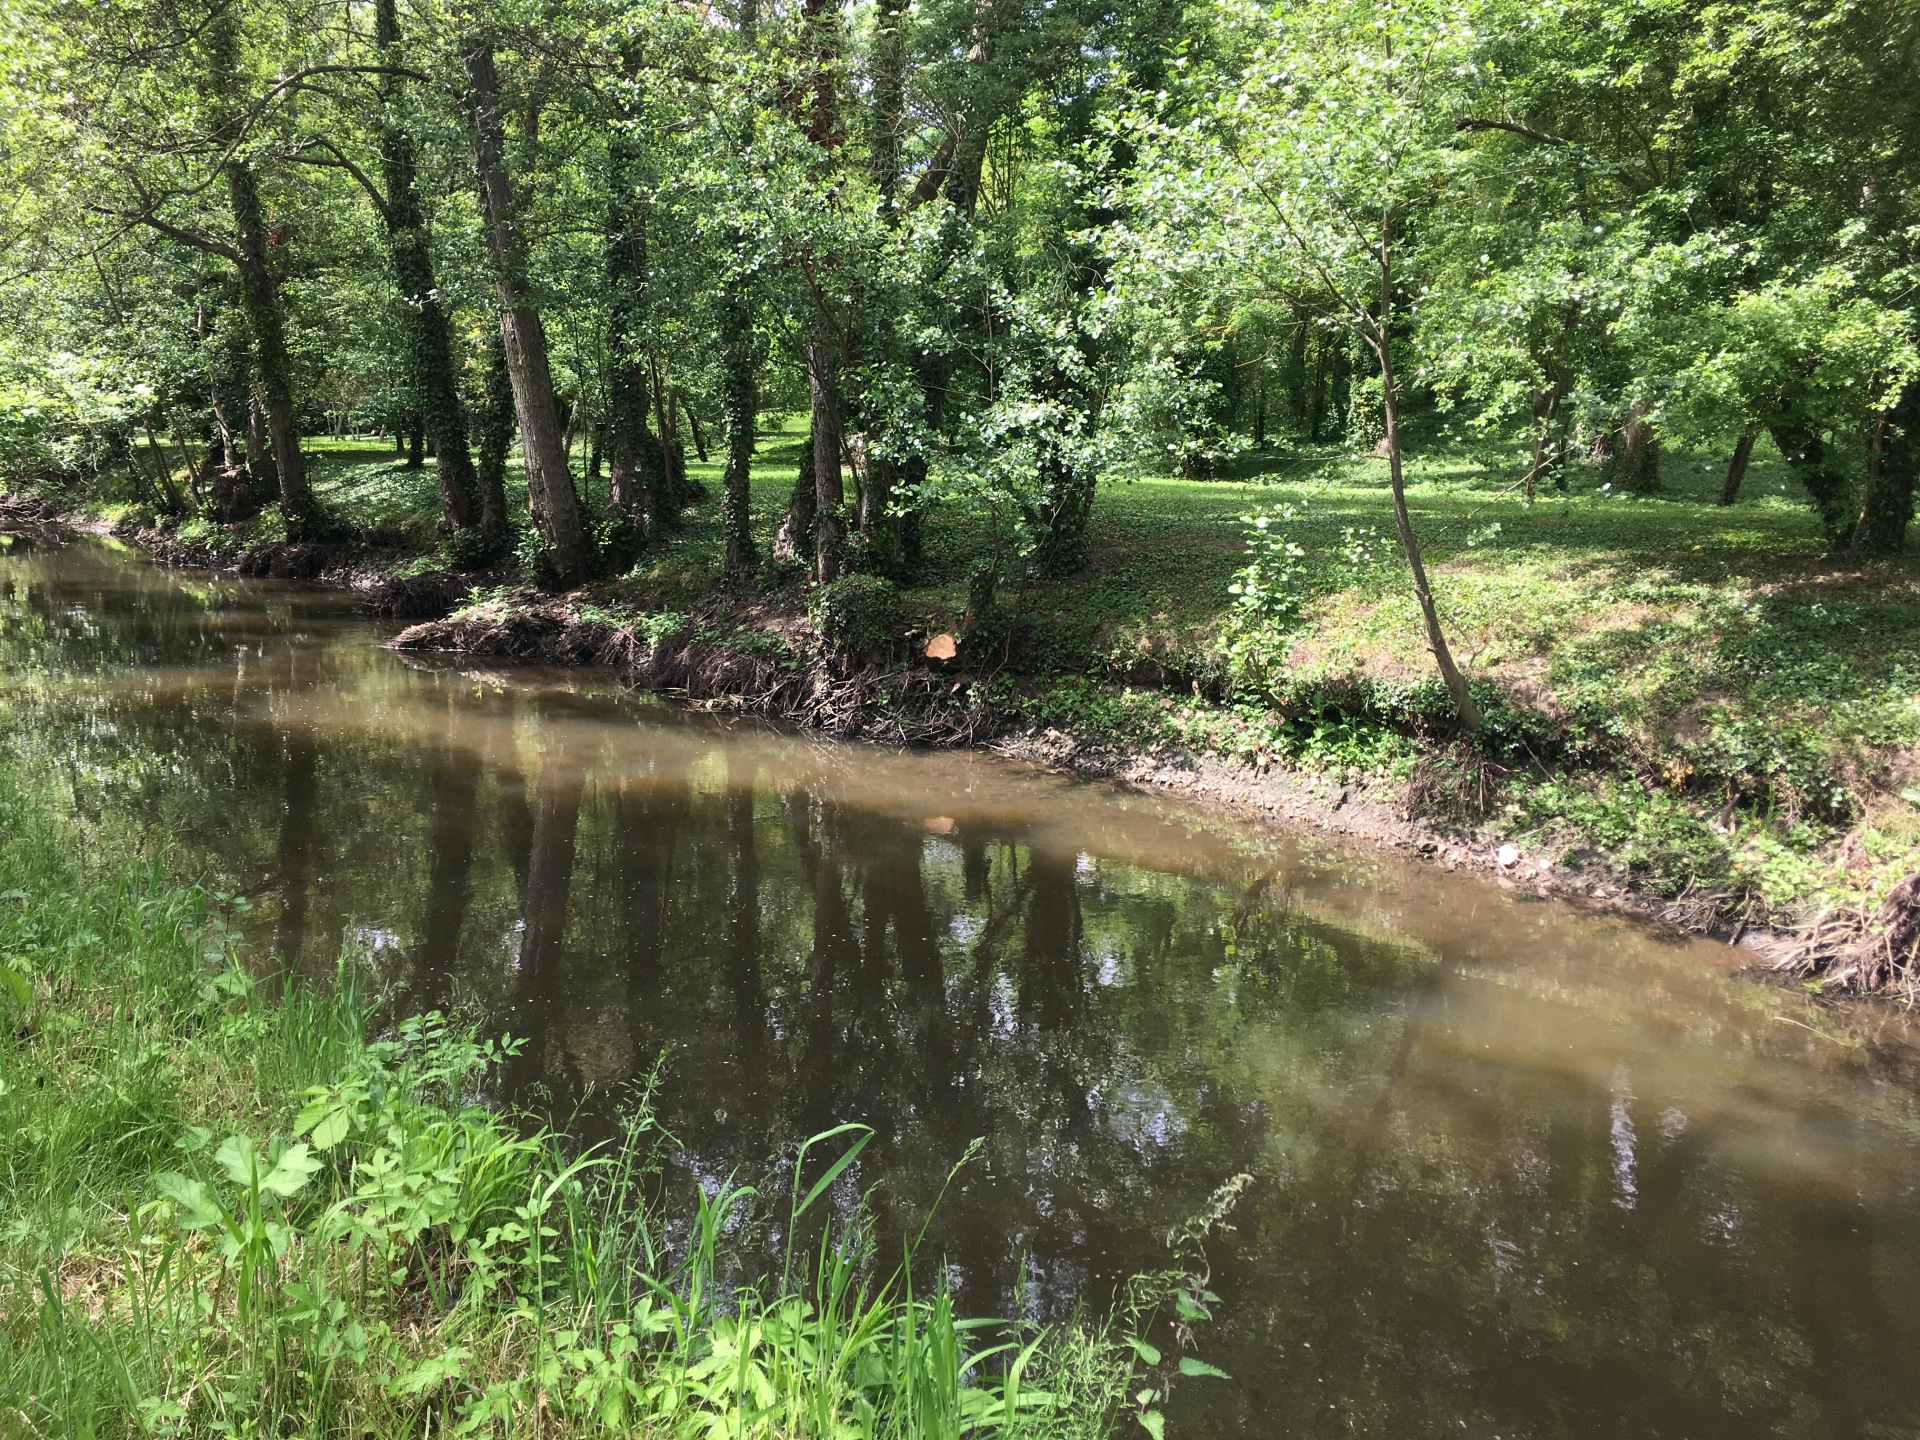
(838, 1168)
(313, 1111)
(15, 986)
(290, 1174)
(198, 1208)
(432, 1372)
(194, 1137)
(1154, 1423)
(239, 1159)
(1191, 1366)
(332, 1130)
(1145, 1351)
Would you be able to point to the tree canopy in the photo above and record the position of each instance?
(999, 250)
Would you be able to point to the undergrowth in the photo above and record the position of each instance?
(230, 1209)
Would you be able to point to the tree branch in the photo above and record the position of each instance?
(341, 162)
(1467, 124)
(935, 174)
(193, 238)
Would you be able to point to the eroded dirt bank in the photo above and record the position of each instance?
(759, 657)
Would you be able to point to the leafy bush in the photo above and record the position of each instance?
(857, 612)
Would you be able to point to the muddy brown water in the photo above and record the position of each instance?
(1518, 1170)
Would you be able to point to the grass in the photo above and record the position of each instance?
(1698, 696)
(231, 1207)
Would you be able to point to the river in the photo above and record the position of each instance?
(1518, 1170)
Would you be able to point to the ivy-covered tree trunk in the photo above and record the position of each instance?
(262, 474)
(1886, 511)
(260, 289)
(568, 557)
(496, 438)
(631, 463)
(740, 381)
(429, 345)
(829, 492)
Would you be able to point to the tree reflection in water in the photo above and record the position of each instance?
(1518, 1172)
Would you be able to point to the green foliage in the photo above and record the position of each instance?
(855, 613)
(396, 1253)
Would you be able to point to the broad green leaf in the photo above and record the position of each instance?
(16, 986)
(332, 1130)
(239, 1159)
(198, 1208)
(432, 1372)
(1154, 1423)
(194, 1137)
(290, 1174)
(1146, 1352)
(1191, 1366)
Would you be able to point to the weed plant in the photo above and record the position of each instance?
(228, 1210)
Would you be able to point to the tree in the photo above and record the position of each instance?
(568, 554)
(1301, 180)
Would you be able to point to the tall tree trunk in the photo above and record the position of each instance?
(794, 543)
(550, 494)
(261, 471)
(186, 459)
(1546, 454)
(229, 474)
(259, 287)
(628, 443)
(496, 438)
(1737, 469)
(829, 493)
(260, 293)
(163, 468)
(1379, 339)
(1826, 483)
(1886, 511)
(1634, 461)
(740, 383)
(429, 345)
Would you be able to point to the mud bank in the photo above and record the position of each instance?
(760, 658)
(730, 664)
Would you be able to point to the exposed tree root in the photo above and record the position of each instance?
(1875, 954)
(914, 706)
(432, 596)
(32, 518)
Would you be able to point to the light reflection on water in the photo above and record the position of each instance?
(1519, 1170)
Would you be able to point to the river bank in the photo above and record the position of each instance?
(1724, 739)
(1128, 995)
(255, 1202)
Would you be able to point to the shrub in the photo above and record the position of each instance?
(857, 612)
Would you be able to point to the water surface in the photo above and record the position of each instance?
(1518, 1170)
